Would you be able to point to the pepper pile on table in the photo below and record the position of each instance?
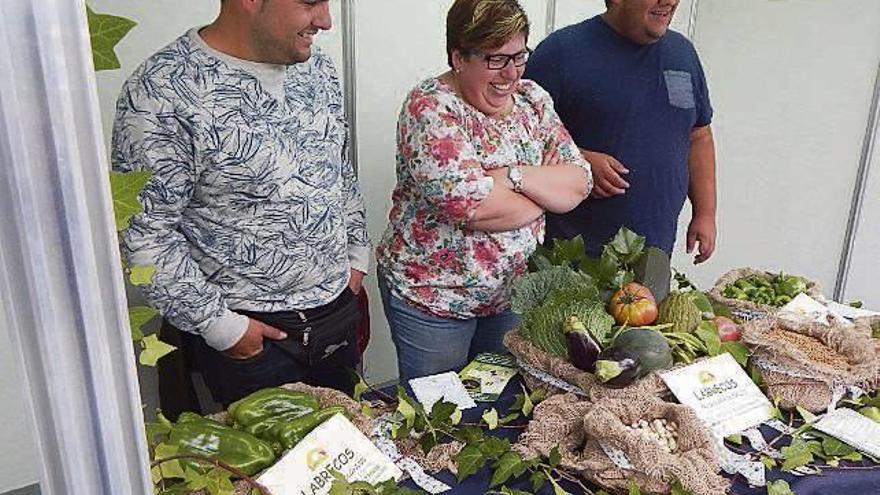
(260, 427)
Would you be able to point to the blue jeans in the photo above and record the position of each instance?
(428, 344)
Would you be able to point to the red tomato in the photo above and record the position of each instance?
(727, 329)
(633, 305)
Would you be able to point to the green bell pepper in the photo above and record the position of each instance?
(291, 432)
(191, 417)
(262, 427)
(216, 441)
(270, 402)
(791, 286)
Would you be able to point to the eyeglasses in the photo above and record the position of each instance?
(498, 61)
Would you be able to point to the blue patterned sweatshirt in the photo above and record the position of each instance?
(253, 203)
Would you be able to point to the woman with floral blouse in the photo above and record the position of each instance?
(481, 155)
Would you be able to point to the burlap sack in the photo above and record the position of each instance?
(747, 310)
(529, 355)
(581, 429)
(326, 397)
(798, 379)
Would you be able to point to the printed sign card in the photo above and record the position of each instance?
(334, 446)
(721, 393)
(860, 432)
(446, 386)
(487, 375)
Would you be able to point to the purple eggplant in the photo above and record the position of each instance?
(582, 349)
(617, 367)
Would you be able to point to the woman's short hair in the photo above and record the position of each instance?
(483, 25)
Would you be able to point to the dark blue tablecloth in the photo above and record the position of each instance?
(831, 481)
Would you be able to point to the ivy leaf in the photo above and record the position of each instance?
(170, 469)
(756, 376)
(555, 457)
(528, 405)
(677, 489)
(506, 468)
(125, 187)
(138, 316)
(428, 441)
(607, 269)
(494, 447)
(154, 350)
(442, 411)
(708, 333)
(735, 439)
(774, 410)
(558, 490)
(491, 418)
(796, 455)
(220, 483)
(105, 32)
(807, 416)
(738, 350)
(508, 419)
(176, 490)
(142, 275)
(471, 435)
(456, 417)
(634, 488)
(768, 462)
(538, 479)
(156, 431)
(359, 388)
(405, 408)
(779, 487)
(853, 456)
(513, 491)
(469, 460)
(627, 245)
(834, 447)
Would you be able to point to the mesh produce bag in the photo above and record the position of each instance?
(811, 365)
(748, 310)
(595, 441)
(553, 374)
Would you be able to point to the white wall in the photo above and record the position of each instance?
(791, 84)
(864, 273)
(18, 454)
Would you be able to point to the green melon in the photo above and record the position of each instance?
(680, 309)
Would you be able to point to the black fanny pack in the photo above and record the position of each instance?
(314, 335)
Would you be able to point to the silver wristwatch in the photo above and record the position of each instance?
(515, 174)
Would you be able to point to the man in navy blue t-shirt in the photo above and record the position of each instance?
(634, 98)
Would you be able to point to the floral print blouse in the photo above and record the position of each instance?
(428, 254)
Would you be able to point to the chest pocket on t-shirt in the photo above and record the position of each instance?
(679, 88)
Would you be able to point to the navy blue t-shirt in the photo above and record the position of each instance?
(637, 103)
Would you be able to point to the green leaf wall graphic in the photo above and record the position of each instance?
(105, 32)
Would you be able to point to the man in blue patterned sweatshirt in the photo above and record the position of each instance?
(253, 216)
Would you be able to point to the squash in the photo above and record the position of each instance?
(649, 346)
(680, 309)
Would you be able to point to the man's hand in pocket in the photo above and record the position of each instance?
(251, 343)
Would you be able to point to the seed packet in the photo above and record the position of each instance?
(486, 376)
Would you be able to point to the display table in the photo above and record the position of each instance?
(855, 479)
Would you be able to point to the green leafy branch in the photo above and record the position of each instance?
(105, 32)
(125, 188)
